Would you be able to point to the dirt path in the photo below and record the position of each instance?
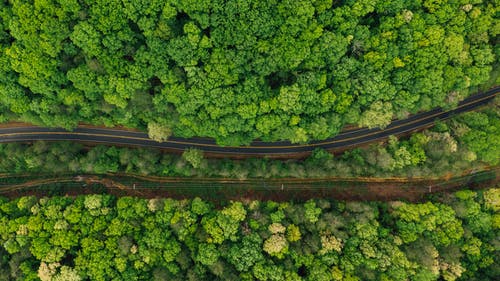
(365, 189)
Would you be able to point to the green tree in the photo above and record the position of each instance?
(378, 115)
(276, 245)
(243, 256)
(311, 212)
(193, 157)
(159, 132)
(207, 254)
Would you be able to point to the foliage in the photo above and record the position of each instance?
(100, 237)
(240, 70)
(158, 132)
(193, 157)
(481, 134)
(449, 148)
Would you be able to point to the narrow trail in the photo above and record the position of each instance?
(216, 190)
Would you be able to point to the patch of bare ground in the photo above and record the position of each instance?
(15, 124)
(219, 190)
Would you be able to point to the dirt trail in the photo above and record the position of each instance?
(366, 189)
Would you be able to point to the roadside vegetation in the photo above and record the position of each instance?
(240, 70)
(469, 141)
(100, 237)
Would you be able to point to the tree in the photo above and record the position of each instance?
(378, 115)
(311, 212)
(435, 221)
(492, 199)
(293, 233)
(159, 132)
(199, 207)
(235, 211)
(207, 254)
(243, 256)
(194, 157)
(67, 274)
(171, 249)
(276, 245)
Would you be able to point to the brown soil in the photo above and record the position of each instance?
(86, 125)
(15, 124)
(220, 190)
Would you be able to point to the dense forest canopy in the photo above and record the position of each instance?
(238, 70)
(99, 237)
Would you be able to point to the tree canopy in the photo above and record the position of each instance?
(239, 70)
(100, 237)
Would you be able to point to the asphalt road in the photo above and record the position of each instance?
(344, 140)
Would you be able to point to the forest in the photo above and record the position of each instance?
(238, 70)
(469, 141)
(100, 237)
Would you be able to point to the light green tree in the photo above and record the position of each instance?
(194, 157)
(159, 132)
(379, 114)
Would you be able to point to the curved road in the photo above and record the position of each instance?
(342, 141)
